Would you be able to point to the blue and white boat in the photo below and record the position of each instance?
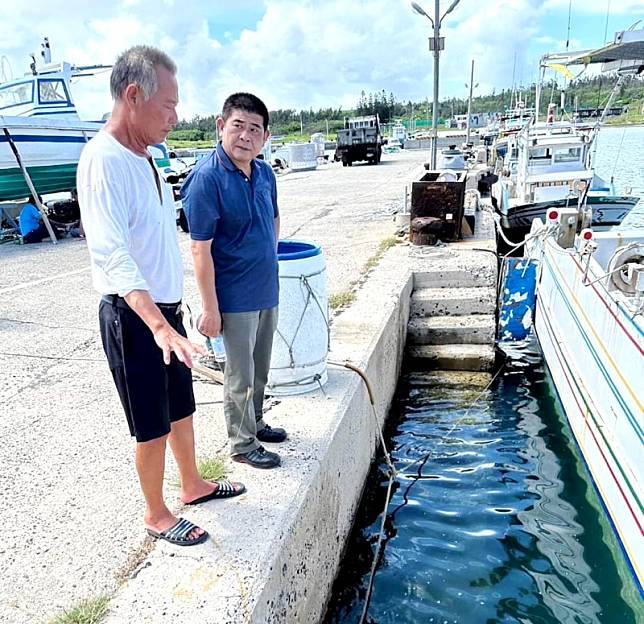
(40, 129)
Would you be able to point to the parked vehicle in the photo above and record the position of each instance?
(360, 139)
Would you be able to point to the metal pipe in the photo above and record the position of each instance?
(30, 185)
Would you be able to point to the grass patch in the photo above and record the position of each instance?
(89, 611)
(342, 299)
(189, 144)
(212, 468)
(626, 119)
(385, 244)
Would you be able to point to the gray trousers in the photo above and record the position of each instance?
(248, 338)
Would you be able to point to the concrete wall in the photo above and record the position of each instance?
(372, 335)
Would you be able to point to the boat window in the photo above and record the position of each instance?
(13, 95)
(568, 154)
(540, 153)
(51, 91)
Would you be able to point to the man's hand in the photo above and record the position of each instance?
(171, 341)
(209, 323)
(168, 339)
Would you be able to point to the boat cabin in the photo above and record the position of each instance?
(552, 163)
(46, 93)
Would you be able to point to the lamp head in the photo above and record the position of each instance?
(451, 7)
(419, 9)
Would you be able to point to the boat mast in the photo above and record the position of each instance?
(537, 95)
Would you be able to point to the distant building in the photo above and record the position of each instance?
(477, 120)
(585, 113)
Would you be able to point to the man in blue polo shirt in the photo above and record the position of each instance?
(230, 200)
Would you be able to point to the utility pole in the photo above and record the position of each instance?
(301, 123)
(469, 105)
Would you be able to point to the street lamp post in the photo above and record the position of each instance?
(469, 104)
(436, 44)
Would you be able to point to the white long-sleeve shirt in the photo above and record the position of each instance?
(130, 224)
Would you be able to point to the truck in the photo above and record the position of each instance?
(360, 139)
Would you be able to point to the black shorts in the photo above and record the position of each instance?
(153, 394)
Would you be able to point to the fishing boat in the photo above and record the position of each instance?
(589, 321)
(399, 133)
(590, 326)
(41, 132)
(549, 165)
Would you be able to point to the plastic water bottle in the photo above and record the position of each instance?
(217, 347)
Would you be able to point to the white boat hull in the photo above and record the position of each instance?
(594, 351)
(48, 148)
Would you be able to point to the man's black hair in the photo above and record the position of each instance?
(246, 102)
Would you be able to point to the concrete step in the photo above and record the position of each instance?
(450, 380)
(443, 269)
(453, 301)
(460, 357)
(438, 330)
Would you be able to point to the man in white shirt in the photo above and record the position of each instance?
(129, 220)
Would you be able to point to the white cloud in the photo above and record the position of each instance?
(599, 7)
(300, 53)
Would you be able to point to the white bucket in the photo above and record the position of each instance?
(301, 342)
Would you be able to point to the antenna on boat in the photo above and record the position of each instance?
(6, 73)
(45, 52)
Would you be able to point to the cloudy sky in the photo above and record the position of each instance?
(306, 53)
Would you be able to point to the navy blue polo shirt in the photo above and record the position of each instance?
(238, 214)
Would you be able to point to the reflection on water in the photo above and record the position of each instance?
(492, 520)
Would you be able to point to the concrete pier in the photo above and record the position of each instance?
(68, 475)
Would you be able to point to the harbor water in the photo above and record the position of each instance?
(493, 516)
(620, 155)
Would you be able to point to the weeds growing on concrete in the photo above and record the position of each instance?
(134, 560)
(89, 611)
(212, 468)
(385, 244)
(342, 299)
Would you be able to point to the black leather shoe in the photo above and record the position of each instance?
(271, 434)
(258, 458)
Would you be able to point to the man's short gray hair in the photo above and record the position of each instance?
(137, 65)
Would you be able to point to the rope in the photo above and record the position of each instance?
(309, 295)
(619, 149)
(52, 357)
(423, 460)
(392, 476)
(607, 15)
